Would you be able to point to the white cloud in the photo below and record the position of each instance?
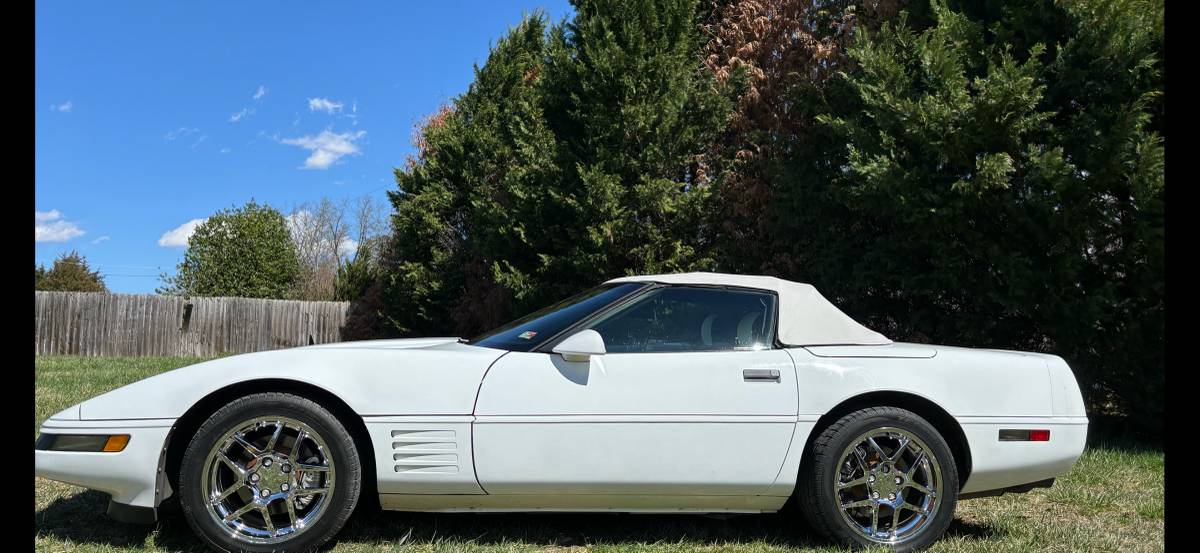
(246, 112)
(180, 133)
(101, 239)
(46, 216)
(327, 147)
(178, 236)
(198, 141)
(49, 226)
(324, 104)
(240, 115)
(225, 150)
(65, 107)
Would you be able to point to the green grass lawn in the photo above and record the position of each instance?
(1111, 501)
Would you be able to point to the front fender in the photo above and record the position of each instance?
(373, 381)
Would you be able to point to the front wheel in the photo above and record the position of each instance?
(269, 472)
(880, 476)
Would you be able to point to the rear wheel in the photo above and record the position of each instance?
(880, 476)
(268, 472)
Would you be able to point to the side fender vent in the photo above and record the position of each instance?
(425, 451)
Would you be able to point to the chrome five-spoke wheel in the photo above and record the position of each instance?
(271, 471)
(268, 479)
(887, 484)
(879, 476)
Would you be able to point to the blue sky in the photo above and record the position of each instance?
(153, 114)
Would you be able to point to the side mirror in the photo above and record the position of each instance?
(581, 346)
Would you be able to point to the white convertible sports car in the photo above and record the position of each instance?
(696, 392)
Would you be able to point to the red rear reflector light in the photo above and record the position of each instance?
(1024, 435)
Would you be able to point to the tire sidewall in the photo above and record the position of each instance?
(827, 505)
(342, 499)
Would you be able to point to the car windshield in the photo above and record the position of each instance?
(527, 332)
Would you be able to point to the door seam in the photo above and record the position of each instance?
(474, 406)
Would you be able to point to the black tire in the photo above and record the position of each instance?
(341, 500)
(819, 500)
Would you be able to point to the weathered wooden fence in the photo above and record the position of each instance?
(99, 324)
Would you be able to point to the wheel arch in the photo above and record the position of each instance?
(927, 409)
(187, 424)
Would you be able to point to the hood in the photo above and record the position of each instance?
(396, 343)
(429, 376)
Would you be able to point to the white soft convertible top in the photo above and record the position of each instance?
(806, 318)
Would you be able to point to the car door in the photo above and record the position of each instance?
(691, 398)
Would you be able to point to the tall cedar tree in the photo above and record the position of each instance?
(467, 208)
(575, 156)
(992, 176)
(634, 110)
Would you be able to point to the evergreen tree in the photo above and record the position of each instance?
(467, 207)
(355, 275)
(993, 176)
(69, 273)
(635, 113)
(575, 155)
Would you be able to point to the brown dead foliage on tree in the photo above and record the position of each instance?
(429, 123)
(783, 49)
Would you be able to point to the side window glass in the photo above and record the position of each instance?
(681, 318)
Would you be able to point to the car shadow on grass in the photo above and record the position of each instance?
(540, 530)
(974, 531)
(80, 519)
(536, 530)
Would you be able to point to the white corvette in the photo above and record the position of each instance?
(696, 392)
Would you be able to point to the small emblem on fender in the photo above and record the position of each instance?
(527, 334)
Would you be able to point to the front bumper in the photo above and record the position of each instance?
(133, 477)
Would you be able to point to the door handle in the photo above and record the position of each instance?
(760, 375)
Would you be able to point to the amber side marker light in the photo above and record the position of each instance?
(1007, 435)
(118, 443)
(82, 442)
